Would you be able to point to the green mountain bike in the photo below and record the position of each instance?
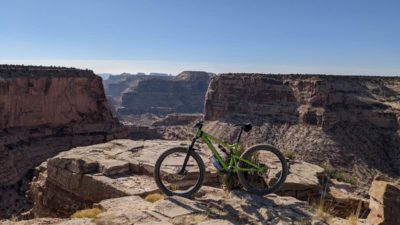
(261, 169)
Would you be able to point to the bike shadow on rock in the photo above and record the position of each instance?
(240, 207)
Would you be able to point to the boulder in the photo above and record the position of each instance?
(302, 181)
(384, 202)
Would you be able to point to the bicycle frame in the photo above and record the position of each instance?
(232, 165)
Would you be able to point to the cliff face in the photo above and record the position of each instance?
(324, 119)
(52, 100)
(44, 111)
(160, 95)
(316, 100)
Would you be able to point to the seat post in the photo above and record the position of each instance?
(240, 134)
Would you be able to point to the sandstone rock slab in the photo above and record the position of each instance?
(384, 202)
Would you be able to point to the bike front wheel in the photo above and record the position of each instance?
(274, 172)
(168, 172)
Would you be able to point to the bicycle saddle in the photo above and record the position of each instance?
(245, 126)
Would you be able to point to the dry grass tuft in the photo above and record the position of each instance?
(14, 219)
(173, 187)
(353, 218)
(323, 210)
(87, 213)
(154, 197)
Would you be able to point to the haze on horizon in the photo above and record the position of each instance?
(310, 36)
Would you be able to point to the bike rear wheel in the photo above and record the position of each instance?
(167, 172)
(274, 175)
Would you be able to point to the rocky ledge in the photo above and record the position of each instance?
(116, 177)
(209, 206)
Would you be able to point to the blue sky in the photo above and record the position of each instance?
(307, 36)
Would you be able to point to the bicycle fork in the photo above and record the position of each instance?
(190, 149)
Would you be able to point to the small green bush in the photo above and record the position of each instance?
(339, 175)
(290, 154)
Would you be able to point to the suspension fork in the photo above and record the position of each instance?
(190, 149)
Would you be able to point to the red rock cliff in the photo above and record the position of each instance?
(349, 122)
(316, 100)
(44, 111)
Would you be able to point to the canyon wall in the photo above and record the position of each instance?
(117, 85)
(159, 95)
(349, 122)
(45, 110)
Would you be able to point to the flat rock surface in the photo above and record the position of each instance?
(81, 177)
(86, 175)
(235, 207)
(303, 180)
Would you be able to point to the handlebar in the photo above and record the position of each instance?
(199, 124)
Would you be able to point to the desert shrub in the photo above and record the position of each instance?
(241, 148)
(290, 154)
(339, 175)
(154, 197)
(87, 213)
(231, 181)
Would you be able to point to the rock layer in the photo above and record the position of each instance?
(316, 100)
(45, 110)
(322, 119)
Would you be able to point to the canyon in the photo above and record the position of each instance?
(43, 111)
(63, 147)
(157, 94)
